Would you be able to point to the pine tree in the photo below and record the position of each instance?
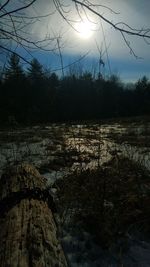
(14, 70)
(35, 72)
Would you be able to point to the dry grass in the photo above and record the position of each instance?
(109, 202)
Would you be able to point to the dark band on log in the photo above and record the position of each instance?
(15, 197)
(28, 236)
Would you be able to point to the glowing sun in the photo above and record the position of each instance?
(84, 29)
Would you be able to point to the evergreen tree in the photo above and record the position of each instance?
(14, 90)
(38, 91)
(14, 70)
(35, 71)
(142, 96)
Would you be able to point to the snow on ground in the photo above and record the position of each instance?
(88, 147)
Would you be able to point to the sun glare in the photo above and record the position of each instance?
(85, 29)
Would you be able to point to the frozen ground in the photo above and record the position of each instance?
(58, 150)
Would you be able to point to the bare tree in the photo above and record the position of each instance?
(16, 24)
(15, 29)
(86, 7)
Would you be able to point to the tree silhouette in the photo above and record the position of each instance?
(31, 96)
(14, 70)
(14, 89)
(35, 71)
(14, 29)
(142, 95)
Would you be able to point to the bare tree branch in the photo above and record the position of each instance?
(73, 63)
(13, 52)
(17, 9)
(142, 33)
(100, 5)
(14, 30)
(61, 58)
(5, 4)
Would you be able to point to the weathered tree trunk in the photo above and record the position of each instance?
(28, 234)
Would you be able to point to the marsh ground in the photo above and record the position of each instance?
(99, 174)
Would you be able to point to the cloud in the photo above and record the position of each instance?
(135, 13)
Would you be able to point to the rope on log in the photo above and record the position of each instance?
(28, 236)
(15, 197)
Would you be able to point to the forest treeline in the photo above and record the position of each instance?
(34, 96)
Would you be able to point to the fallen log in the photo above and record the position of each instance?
(28, 233)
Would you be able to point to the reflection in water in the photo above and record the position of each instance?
(60, 149)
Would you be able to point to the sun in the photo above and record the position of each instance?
(84, 28)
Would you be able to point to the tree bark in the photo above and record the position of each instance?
(28, 233)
